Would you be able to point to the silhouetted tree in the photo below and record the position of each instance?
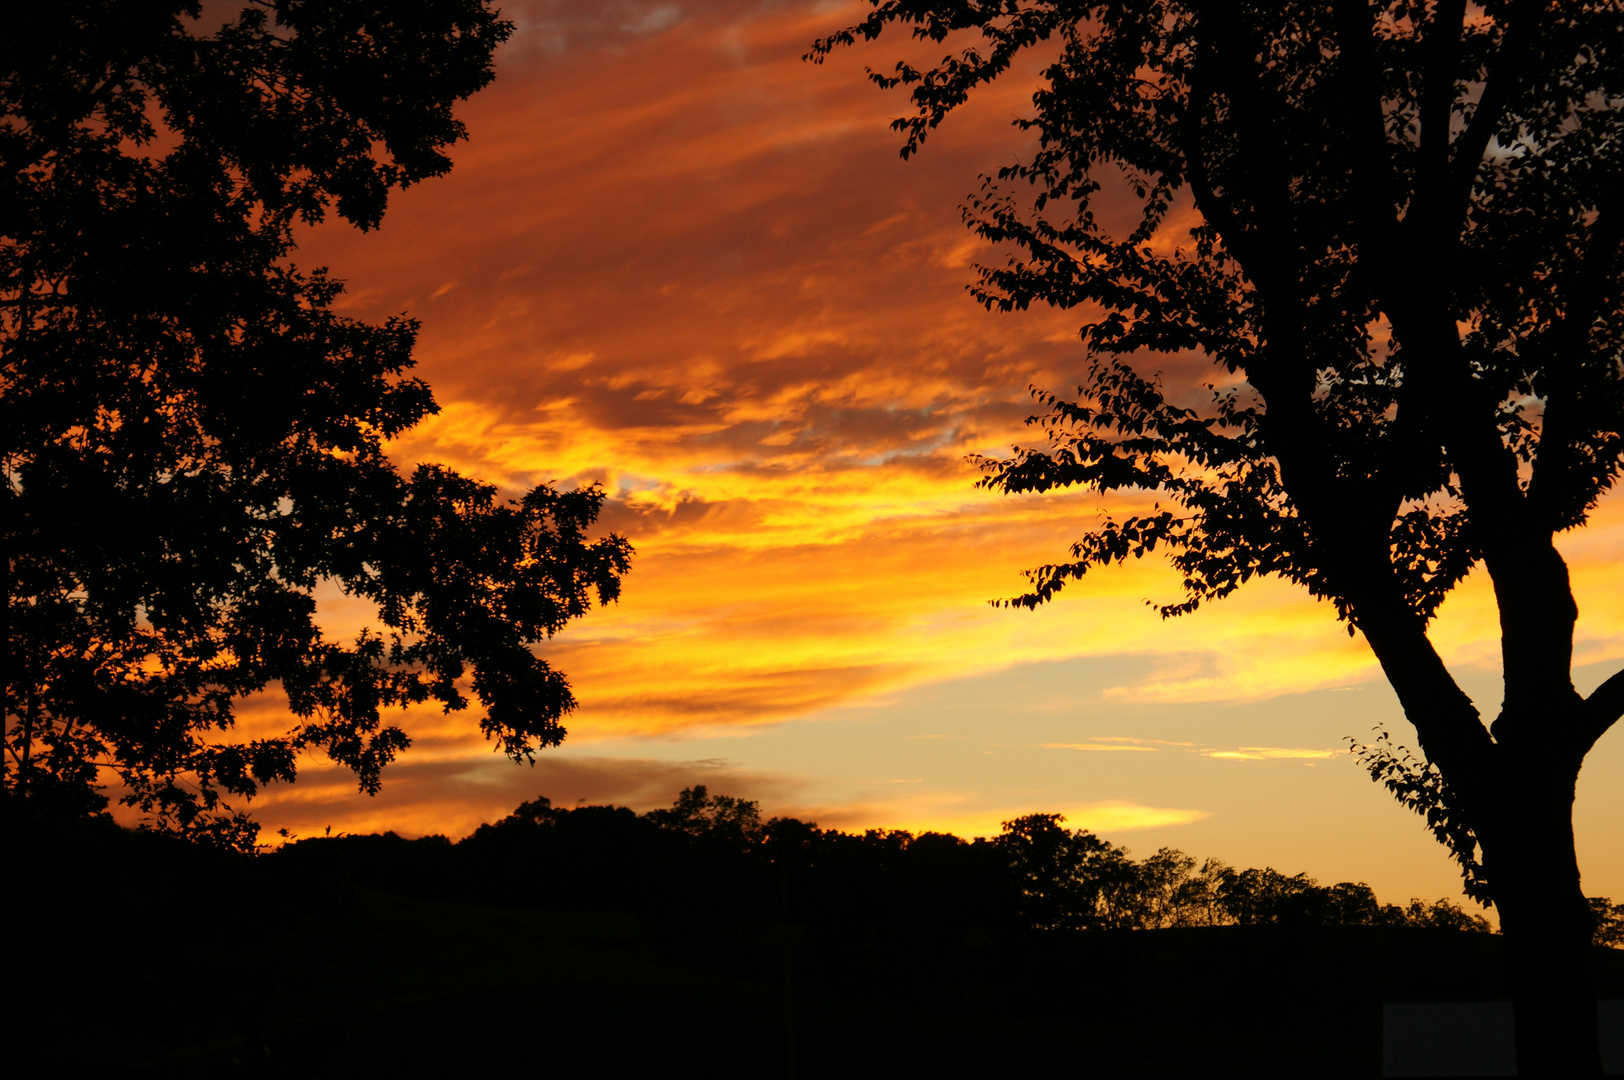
(1404, 260)
(1199, 898)
(1161, 887)
(1438, 915)
(193, 437)
(1267, 896)
(590, 858)
(720, 819)
(1353, 903)
(1068, 880)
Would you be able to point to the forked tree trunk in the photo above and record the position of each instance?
(1533, 872)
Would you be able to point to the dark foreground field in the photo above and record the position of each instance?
(140, 958)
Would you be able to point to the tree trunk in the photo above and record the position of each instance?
(1533, 872)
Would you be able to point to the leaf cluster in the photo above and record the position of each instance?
(1419, 786)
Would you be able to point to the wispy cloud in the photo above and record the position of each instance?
(1132, 739)
(1094, 746)
(1269, 753)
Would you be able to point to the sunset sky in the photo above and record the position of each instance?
(676, 259)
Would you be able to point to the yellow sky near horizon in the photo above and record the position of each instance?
(675, 259)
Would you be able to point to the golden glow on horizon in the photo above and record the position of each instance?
(1102, 817)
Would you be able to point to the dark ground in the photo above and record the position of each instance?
(138, 957)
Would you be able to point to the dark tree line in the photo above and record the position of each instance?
(906, 948)
(712, 858)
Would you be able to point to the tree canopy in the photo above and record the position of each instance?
(194, 438)
(1394, 229)
(712, 858)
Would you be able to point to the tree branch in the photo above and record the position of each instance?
(1429, 222)
(1442, 45)
(1554, 461)
(1449, 725)
(1375, 205)
(1603, 708)
(1386, 262)
(1498, 90)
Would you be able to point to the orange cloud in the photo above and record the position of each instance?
(675, 259)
